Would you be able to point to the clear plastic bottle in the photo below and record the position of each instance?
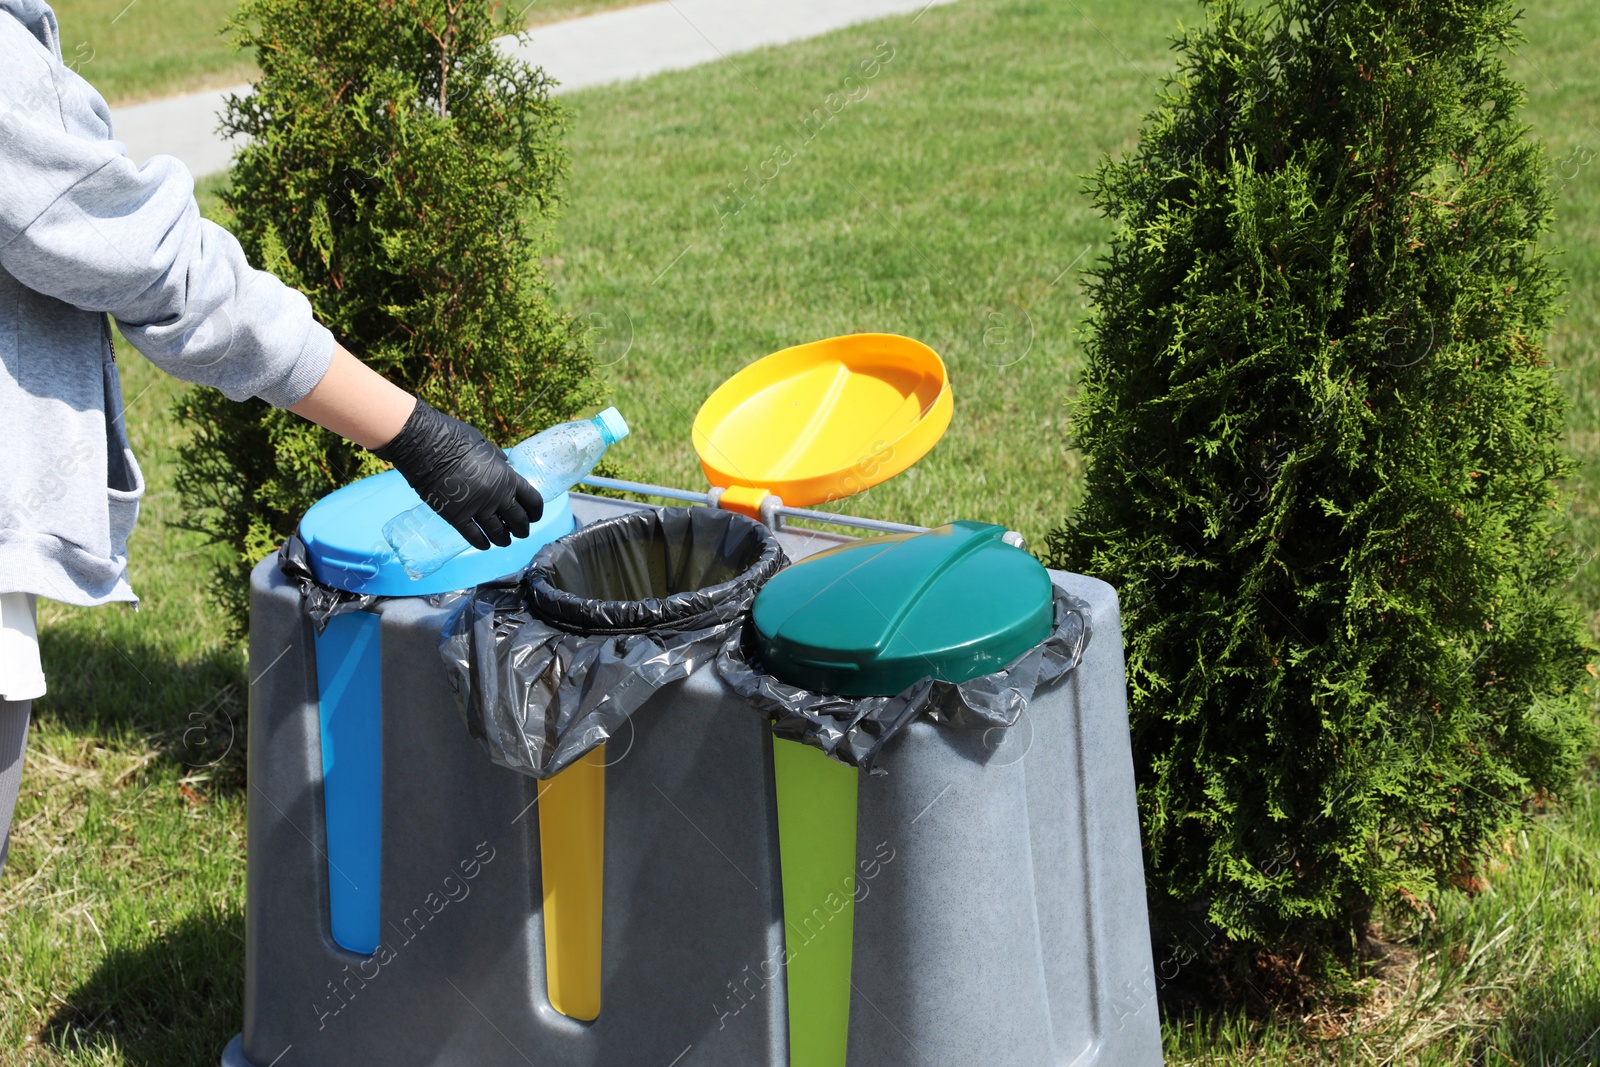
(554, 460)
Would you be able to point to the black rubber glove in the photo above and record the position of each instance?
(460, 474)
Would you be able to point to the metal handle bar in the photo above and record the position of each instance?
(773, 511)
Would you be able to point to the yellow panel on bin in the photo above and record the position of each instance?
(825, 420)
(572, 848)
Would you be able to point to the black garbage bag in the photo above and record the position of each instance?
(854, 730)
(321, 602)
(546, 669)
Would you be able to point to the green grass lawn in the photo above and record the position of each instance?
(134, 50)
(122, 907)
(942, 202)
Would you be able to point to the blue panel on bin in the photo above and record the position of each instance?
(344, 534)
(351, 715)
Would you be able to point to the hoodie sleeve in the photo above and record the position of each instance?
(81, 223)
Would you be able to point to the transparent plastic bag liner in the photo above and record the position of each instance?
(547, 669)
(854, 730)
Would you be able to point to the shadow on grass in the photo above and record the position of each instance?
(1226, 1002)
(109, 683)
(172, 1000)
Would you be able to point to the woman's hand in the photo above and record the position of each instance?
(461, 474)
(455, 469)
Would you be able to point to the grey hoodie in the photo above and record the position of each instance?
(85, 233)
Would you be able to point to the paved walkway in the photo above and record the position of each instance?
(612, 46)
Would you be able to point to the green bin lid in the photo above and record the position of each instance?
(872, 617)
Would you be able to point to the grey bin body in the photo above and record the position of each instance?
(1003, 924)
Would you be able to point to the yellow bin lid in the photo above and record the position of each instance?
(824, 420)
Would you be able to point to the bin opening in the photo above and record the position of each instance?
(652, 569)
(548, 669)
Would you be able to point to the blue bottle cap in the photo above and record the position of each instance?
(343, 533)
(612, 425)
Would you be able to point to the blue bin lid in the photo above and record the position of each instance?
(343, 533)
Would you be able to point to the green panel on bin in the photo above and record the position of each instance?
(872, 617)
(817, 847)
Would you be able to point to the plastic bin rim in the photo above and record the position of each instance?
(558, 606)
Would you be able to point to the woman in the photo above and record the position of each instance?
(85, 237)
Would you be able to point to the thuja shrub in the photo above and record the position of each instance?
(1325, 468)
(402, 173)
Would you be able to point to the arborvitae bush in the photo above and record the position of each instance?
(1325, 468)
(402, 173)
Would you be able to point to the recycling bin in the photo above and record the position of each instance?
(983, 900)
(715, 884)
(412, 925)
(699, 938)
(344, 565)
